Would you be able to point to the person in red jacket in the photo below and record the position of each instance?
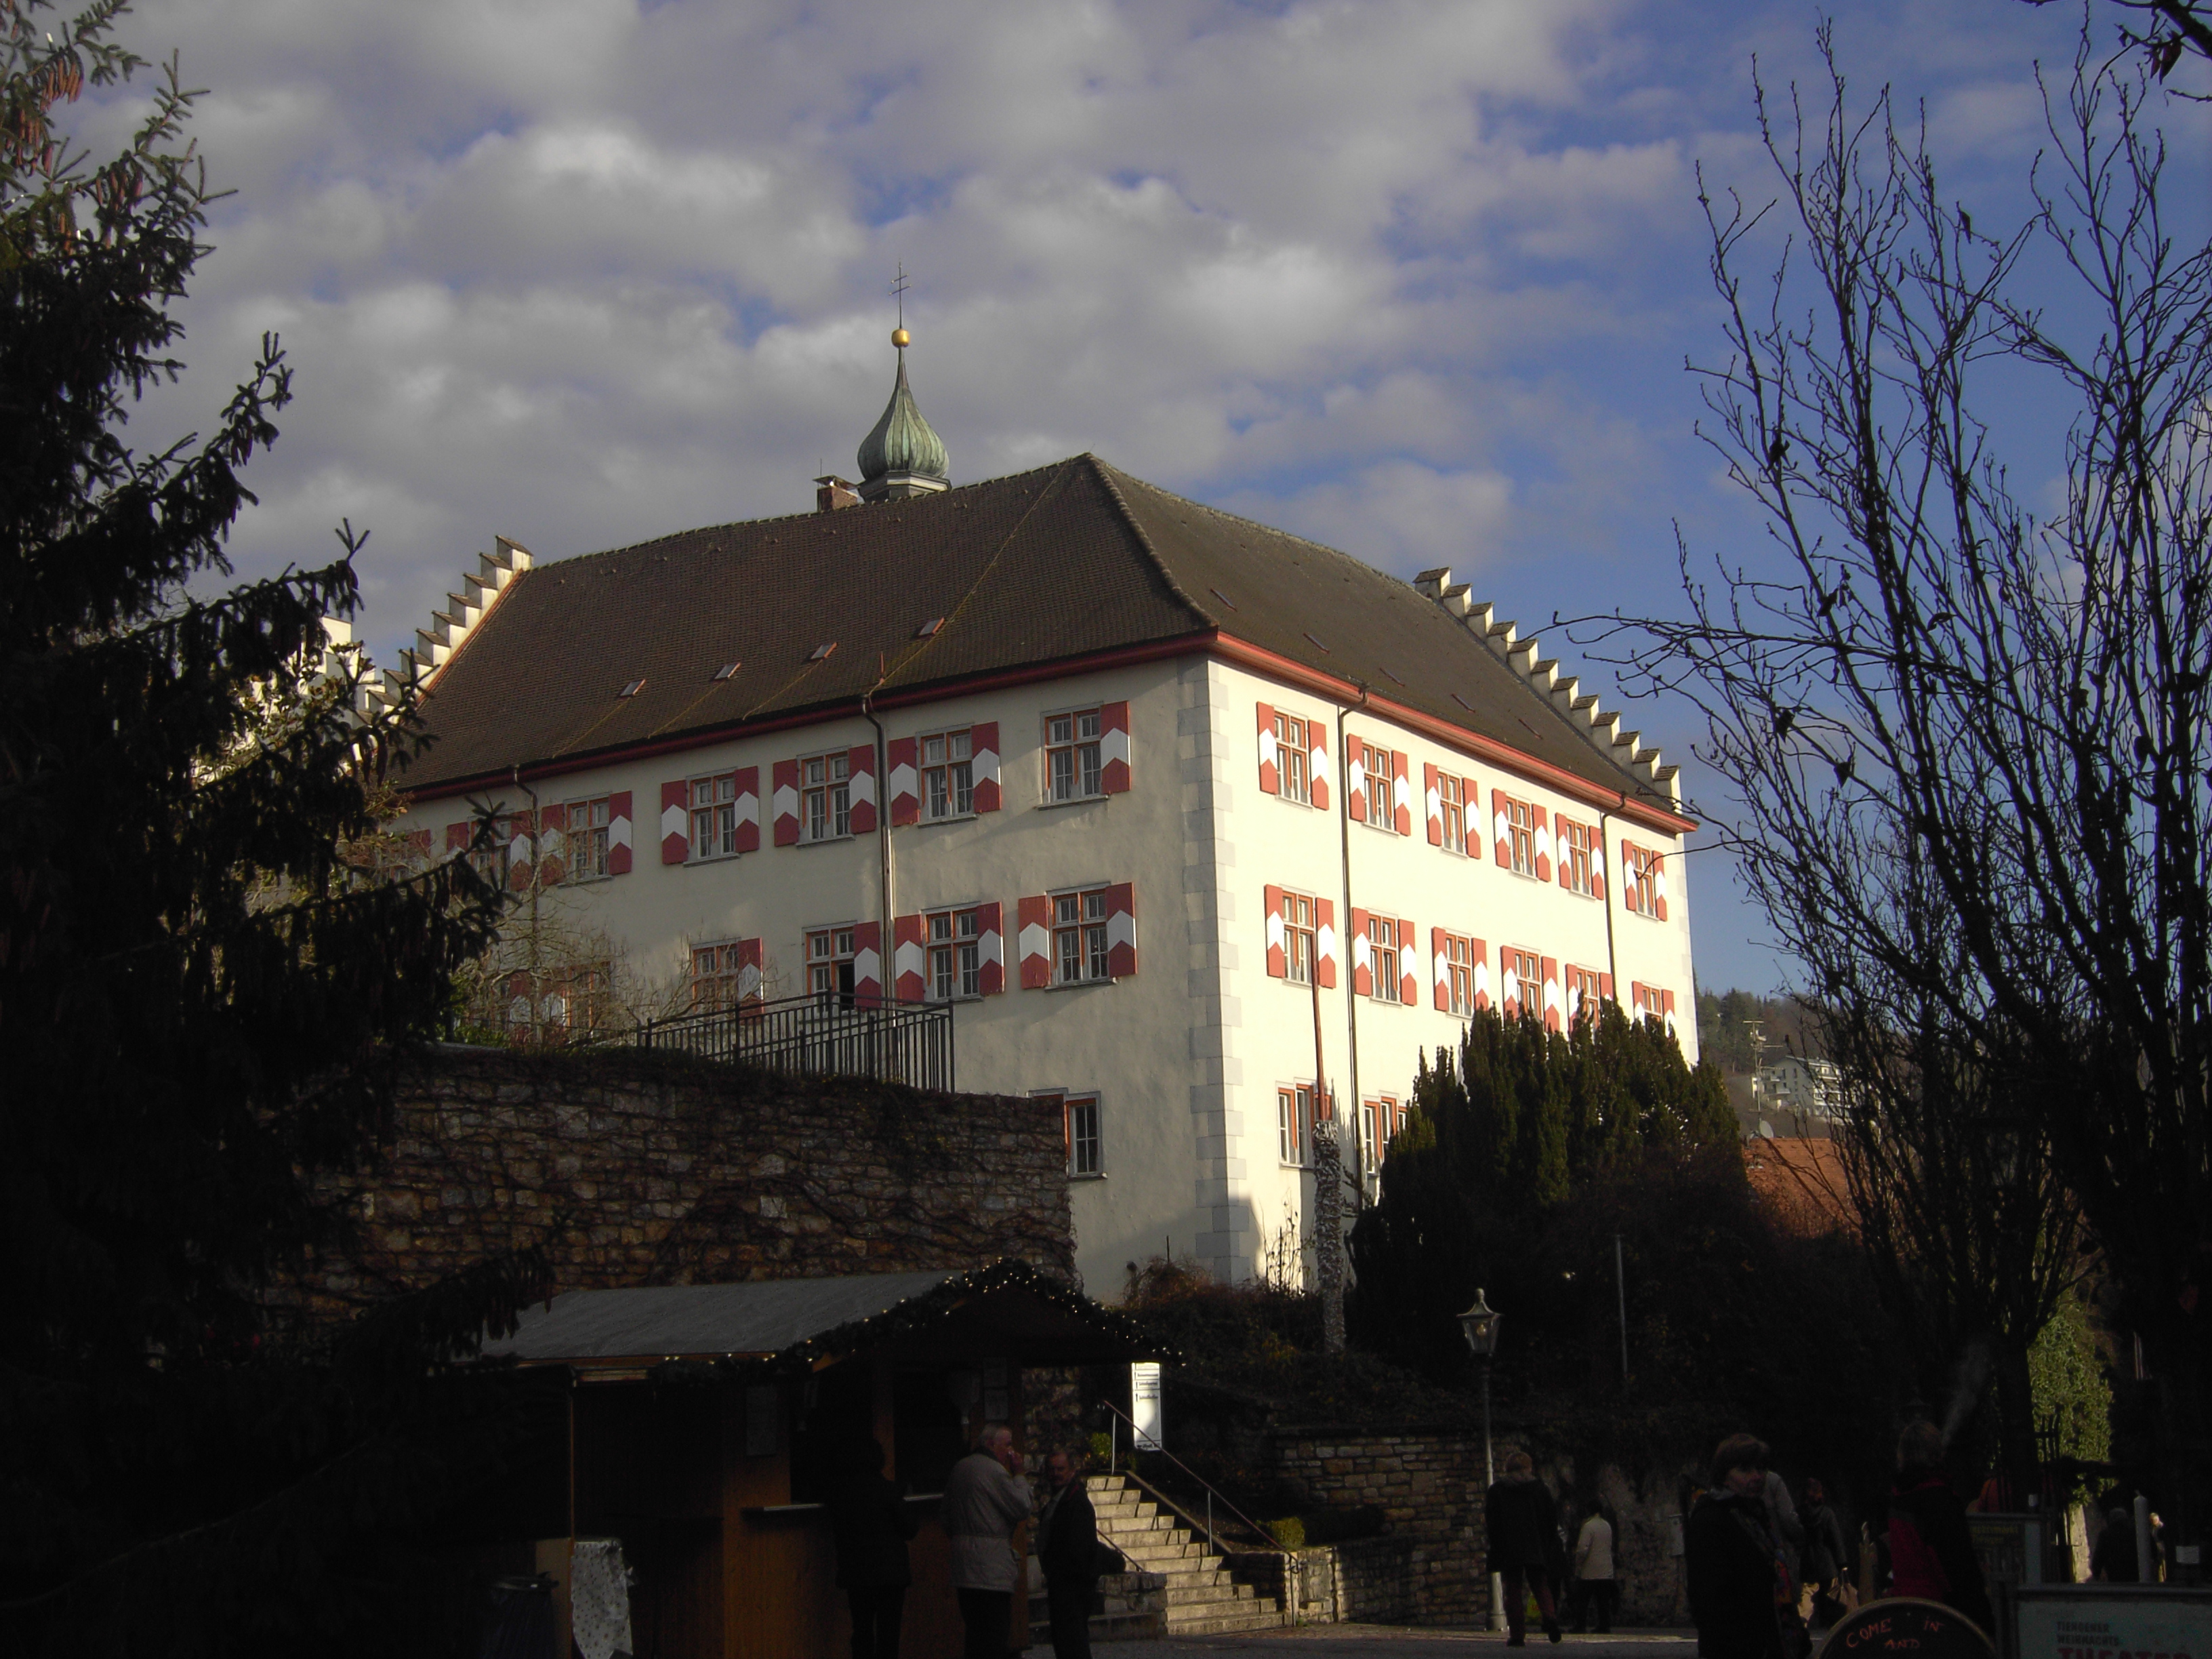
(1932, 1553)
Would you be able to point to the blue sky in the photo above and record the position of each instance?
(1416, 279)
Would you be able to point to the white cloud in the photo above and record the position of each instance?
(1416, 278)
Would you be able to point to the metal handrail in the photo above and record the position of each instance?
(824, 1034)
(1211, 1542)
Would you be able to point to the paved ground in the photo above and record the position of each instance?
(1397, 1642)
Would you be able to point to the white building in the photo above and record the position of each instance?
(1165, 801)
(1808, 1090)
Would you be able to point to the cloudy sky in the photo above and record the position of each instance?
(1416, 279)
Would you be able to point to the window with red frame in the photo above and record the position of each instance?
(1521, 980)
(1577, 845)
(1585, 991)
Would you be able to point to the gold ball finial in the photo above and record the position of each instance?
(900, 337)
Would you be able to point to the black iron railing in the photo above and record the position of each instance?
(830, 1034)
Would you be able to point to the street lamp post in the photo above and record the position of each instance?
(1479, 1324)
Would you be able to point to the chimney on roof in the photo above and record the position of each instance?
(832, 492)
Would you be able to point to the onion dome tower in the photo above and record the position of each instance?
(903, 456)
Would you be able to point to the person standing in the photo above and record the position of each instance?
(870, 1523)
(1827, 1560)
(1067, 1551)
(2114, 1560)
(1931, 1553)
(1594, 1585)
(1523, 1541)
(1734, 1570)
(1789, 1534)
(985, 1499)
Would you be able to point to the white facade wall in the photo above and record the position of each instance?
(1186, 1055)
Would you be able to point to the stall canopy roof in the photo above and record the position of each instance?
(1007, 1309)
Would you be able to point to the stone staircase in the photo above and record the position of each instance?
(1172, 1578)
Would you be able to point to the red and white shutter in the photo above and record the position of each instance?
(457, 835)
(1470, 831)
(1363, 957)
(991, 948)
(1480, 953)
(1511, 992)
(745, 785)
(1325, 943)
(1659, 884)
(749, 970)
(1501, 819)
(1278, 962)
(983, 745)
(1433, 798)
(1598, 865)
(552, 846)
(1401, 795)
(1553, 1004)
(1121, 929)
(1034, 916)
(785, 805)
(905, 783)
(519, 848)
(1440, 968)
(418, 844)
(1667, 1011)
(1317, 764)
(618, 834)
(868, 965)
(1409, 973)
(676, 822)
(1355, 780)
(1543, 845)
(861, 789)
(1605, 987)
(1114, 749)
(1270, 769)
(909, 960)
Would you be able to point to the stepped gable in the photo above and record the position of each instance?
(1072, 562)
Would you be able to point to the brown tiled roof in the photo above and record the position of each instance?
(1071, 562)
(1802, 1182)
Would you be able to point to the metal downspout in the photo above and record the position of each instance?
(1343, 846)
(883, 831)
(1604, 844)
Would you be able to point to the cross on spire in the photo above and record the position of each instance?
(898, 291)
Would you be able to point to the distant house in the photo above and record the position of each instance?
(1202, 829)
(1806, 1094)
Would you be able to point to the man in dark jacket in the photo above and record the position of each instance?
(1931, 1553)
(1735, 1568)
(1521, 1525)
(1067, 1551)
(870, 1523)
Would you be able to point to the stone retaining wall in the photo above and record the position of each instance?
(1428, 1481)
(627, 1168)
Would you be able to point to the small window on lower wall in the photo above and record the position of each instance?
(1080, 1132)
(1296, 1106)
(1379, 1120)
(1588, 992)
(1085, 1149)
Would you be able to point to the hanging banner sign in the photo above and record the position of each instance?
(1146, 1386)
(2113, 1621)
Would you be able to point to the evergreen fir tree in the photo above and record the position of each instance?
(209, 963)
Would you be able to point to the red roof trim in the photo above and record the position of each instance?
(1209, 641)
(1181, 645)
(1454, 737)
